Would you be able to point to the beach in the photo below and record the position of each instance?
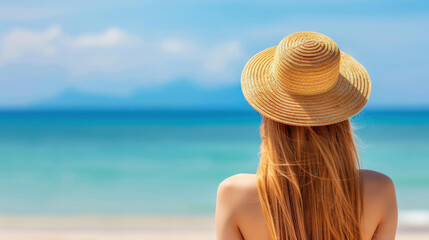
(131, 228)
(146, 175)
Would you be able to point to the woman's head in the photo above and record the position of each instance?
(308, 181)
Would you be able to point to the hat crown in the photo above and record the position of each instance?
(306, 63)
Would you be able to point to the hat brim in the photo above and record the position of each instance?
(344, 100)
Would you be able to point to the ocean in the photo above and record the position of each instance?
(167, 163)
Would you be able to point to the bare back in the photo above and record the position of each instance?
(239, 214)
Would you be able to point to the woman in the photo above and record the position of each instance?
(308, 184)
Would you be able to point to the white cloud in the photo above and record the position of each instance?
(24, 14)
(117, 55)
(174, 46)
(222, 56)
(23, 43)
(79, 54)
(20, 44)
(112, 37)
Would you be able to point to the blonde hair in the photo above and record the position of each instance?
(308, 181)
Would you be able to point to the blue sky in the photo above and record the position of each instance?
(115, 48)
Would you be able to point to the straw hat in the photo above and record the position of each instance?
(305, 81)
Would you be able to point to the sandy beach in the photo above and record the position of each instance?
(131, 228)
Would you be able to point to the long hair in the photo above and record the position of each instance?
(308, 182)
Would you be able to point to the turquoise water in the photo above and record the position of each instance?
(171, 162)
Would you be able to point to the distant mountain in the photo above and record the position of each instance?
(177, 95)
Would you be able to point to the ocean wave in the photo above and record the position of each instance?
(414, 217)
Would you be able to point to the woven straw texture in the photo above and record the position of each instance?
(305, 81)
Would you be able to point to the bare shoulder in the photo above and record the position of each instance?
(238, 205)
(379, 198)
(370, 174)
(376, 182)
(242, 179)
(239, 186)
(377, 187)
(238, 194)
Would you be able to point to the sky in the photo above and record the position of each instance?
(115, 48)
